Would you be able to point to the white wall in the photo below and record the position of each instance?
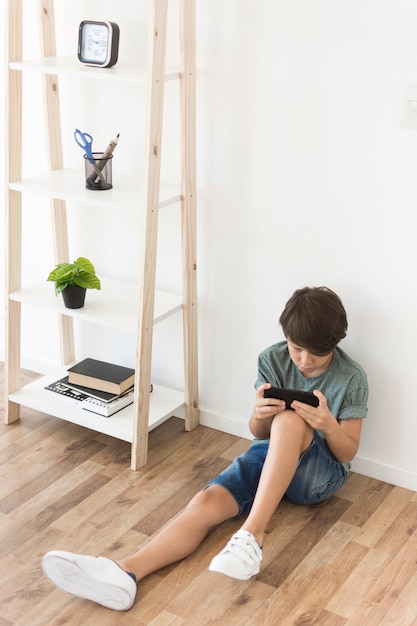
(305, 178)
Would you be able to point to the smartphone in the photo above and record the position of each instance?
(291, 394)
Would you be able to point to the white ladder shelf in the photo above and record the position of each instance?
(139, 312)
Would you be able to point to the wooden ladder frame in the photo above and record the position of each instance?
(155, 106)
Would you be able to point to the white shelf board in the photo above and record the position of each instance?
(116, 305)
(69, 185)
(70, 66)
(164, 403)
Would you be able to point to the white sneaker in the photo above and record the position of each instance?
(93, 578)
(240, 559)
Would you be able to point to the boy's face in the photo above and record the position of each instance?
(309, 364)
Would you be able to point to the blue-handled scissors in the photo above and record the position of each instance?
(85, 141)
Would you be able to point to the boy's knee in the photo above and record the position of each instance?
(290, 422)
(287, 419)
(213, 503)
(200, 500)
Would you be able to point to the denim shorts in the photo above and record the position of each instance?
(318, 475)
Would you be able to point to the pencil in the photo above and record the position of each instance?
(110, 148)
(103, 159)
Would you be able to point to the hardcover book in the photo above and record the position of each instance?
(101, 376)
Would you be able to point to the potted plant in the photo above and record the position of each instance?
(73, 279)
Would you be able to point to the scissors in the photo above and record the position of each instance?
(85, 141)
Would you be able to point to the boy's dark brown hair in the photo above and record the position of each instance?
(314, 318)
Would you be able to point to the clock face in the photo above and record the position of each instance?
(98, 43)
(95, 43)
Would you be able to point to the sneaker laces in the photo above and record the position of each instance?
(244, 548)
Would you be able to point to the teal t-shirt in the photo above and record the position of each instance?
(344, 383)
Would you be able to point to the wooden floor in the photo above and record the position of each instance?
(349, 561)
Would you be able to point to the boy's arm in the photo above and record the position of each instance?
(343, 440)
(342, 437)
(263, 413)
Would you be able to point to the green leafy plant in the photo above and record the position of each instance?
(81, 273)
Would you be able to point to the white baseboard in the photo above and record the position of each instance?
(225, 422)
(387, 473)
(32, 365)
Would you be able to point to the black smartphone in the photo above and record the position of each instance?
(291, 394)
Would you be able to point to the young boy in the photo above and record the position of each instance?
(302, 453)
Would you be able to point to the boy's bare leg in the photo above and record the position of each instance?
(290, 437)
(110, 583)
(184, 534)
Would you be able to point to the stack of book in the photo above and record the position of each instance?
(103, 388)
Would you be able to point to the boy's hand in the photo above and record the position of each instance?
(342, 438)
(263, 413)
(319, 418)
(266, 408)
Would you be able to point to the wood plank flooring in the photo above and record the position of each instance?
(350, 561)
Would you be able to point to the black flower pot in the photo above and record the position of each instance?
(74, 296)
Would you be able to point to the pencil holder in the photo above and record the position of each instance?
(98, 172)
